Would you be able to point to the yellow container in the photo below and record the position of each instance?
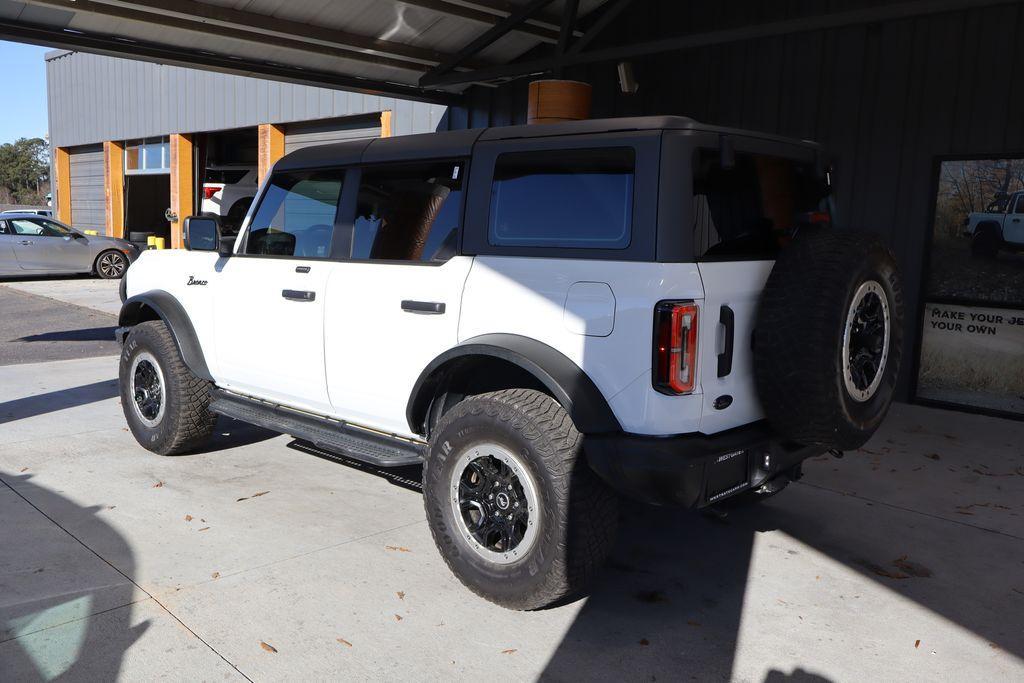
(161, 243)
(151, 242)
(90, 232)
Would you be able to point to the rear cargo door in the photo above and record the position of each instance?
(745, 205)
(731, 293)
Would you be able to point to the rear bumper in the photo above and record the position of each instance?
(693, 470)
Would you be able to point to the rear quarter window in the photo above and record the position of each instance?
(749, 208)
(574, 198)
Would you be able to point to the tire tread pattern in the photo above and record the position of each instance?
(586, 509)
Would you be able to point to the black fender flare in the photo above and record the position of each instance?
(566, 381)
(170, 310)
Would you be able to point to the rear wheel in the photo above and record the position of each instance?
(515, 511)
(985, 244)
(110, 265)
(166, 406)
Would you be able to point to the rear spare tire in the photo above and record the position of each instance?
(828, 338)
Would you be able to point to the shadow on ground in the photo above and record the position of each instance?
(78, 335)
(61, 399)
(65, 614)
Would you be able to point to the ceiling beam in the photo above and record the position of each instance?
(216, 20)
(484, 40)
(49, 36)
(871, 15)
(490, 12)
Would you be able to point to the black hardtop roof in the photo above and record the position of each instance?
(459, 143)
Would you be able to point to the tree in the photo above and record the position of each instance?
(25, 170)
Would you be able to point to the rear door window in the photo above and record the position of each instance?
(745, 210)
(409, 212)
(573, 198)
(296, 215)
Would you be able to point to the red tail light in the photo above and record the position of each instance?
(675, 347)
(210, 190)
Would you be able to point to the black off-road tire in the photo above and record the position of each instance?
(985, 244)
(798, 340)
(186, 421)
(577, 513)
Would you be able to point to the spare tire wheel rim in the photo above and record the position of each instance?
(148, 389)
(866, 341)
(494, 503)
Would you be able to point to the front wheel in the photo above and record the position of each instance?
(110, 265)
(517, 514)
(166, 406)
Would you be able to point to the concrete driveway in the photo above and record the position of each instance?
(258, 559)
(79, 290)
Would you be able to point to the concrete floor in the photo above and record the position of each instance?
(903, 561)
(83, 290)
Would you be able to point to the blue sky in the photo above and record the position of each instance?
(24, 85)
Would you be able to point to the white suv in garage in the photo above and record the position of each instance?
(228, 192)
(544, 316)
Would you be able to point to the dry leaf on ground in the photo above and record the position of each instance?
(268, 647)
(344, 642)
(399, 548)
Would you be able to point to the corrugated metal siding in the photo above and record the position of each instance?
(93, 98)
(88, 198)
(299, 135)
(885, 100)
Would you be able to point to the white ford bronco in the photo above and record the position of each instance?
(544, 316)
(999, 226)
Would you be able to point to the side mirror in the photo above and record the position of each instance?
(77, 236)
(202, 233)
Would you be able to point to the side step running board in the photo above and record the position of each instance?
(364, 445)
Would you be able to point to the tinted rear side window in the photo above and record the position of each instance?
(409, 212)
(576, 198)
(746, 209)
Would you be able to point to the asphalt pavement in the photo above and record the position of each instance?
(36, 328)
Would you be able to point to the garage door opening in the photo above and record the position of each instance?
(226, 175)
(146, 198)
(147, 189)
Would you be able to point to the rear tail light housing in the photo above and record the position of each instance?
(210, 190)
(675, 347)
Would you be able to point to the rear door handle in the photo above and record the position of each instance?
(728, 320)
(26, 241)
(298, 295)
(431, 307)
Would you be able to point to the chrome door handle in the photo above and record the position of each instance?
(298, 295)
(26, 241)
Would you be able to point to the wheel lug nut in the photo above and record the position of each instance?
(516, 504)
(510, 487)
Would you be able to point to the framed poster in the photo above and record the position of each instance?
(972, 327)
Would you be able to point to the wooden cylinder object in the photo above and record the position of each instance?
(552, 101)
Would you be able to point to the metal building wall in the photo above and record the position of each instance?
(886, 99)
(93, 98)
